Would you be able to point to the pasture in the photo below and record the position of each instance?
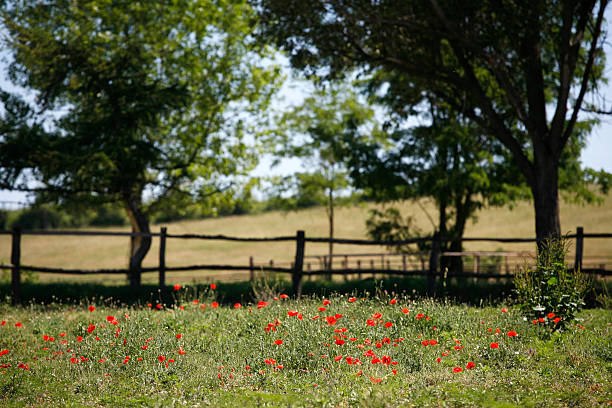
(112, 252)
(339, 351)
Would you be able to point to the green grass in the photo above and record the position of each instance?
(536, 368)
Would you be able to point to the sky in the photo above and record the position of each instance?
(597, 154)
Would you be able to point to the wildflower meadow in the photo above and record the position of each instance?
(379, 350)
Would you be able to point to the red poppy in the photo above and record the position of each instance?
(388, 324)
(494, 345)
(470, 365)
(292, 313)
(3, 322)
(438, 359)
(504, 310)
(177, 287)
(337, 358)
(377, 316)
(550, 315)
(213, 286)
(214, 305)
(557, 319)
(457, 370)
(375, 380)
(326, 302)
(79, 338)
(91, 328)
(178, 336)
(300, 316)
(261, 304)
(91, 308)
(331, 320)
(420, 316)
(18, 324)
(181, 351)
(322, 309)
(283, 296)
(3, 352)
(110, 318)
(161, 358)
(278, 342)
(352, 299)
(144, 347)
(405, 311)
(512, 333)
(340, 342)
(393, 301)
(359, 372)
(425, 343)
(541, 320)
(433, 342)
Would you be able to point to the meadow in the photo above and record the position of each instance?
(378, 350)
(112, 252)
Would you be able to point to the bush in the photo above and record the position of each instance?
(551, 294)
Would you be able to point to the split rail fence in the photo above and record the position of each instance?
(296, 270)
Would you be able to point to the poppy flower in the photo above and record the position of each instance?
(393, 301)
(91, 308)
(541, 320)
(181, 351)
(178, 336)
(213, 286)
(3, 352)
(375, 380)
(425, 343)
(433, 342)
(494, 345)
(352, 299)
(438, 359)
(161, 358)
(340, 342)
(504, 310)
(214, 305)
(91, 328)
(550, 315)
(457, 370)
(326, 302)
(110, 318)
(420, 316)
(18, 324)
(470, 365)
(237, 305)
(337, 358)
(177, 287)
(405, 311)
(512, 333)
(322, 309)
(261, 304)
(283, 296)
(359, 372)
(388, 324)
(377, 316)
(331, 320)
(278, 342)
(557, 319)
(300, 316)
(79, 338)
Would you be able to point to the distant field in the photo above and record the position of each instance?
(111, 252)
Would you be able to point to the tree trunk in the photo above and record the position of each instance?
(140, 245)
(545, 190)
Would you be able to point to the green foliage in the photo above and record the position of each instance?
(551, 291)
(389, 225)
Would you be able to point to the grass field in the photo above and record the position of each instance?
(341, 351)
(110, 252)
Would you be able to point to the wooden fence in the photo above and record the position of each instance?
(296, 269)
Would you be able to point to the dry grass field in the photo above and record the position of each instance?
(112, 252)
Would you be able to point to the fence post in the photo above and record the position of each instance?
(16, 271)
(298, 268)
(433, 264)
(579, 248)
(162, 263)
(251, 269)
(359, 269)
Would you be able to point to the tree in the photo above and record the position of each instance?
(520, 70)
(319, 131)
(155, 100)
(449, 160)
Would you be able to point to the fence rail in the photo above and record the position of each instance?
(296, 268)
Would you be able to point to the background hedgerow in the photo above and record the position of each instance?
(359, 351)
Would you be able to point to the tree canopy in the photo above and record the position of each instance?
(521, 71)
(151, 99)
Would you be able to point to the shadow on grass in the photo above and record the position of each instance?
(460, 290)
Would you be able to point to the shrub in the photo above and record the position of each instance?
(551, 294)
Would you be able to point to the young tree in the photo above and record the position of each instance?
(521, 71)
(154, 97)
(319, 131)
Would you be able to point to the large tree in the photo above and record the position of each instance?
(522, 71)
(151, 99)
